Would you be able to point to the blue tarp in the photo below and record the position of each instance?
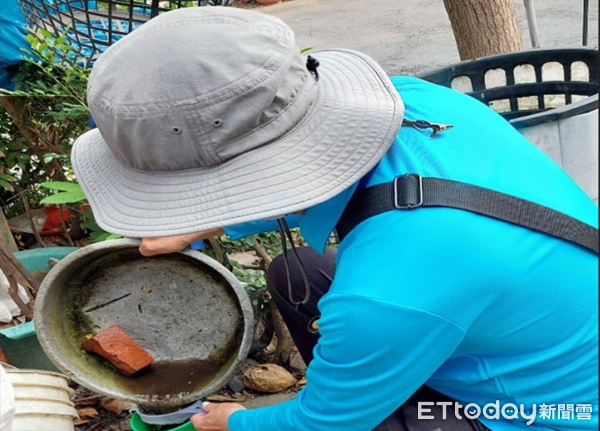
(12, 38)
(91, 39)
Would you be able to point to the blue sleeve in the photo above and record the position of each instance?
(245, 229)
(361, 371)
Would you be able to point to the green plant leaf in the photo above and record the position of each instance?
(305, 50)
(234, 263)
(6, 185)
(48, 157)
(238, 272)
(64, 198)
(92, 225)
(45, 33)
(63, 186)
(105, 236)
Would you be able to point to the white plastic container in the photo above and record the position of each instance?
(7, 400)
(572, 142)
(42, 401)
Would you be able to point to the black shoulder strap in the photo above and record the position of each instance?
(413, 191)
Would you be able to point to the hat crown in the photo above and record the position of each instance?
(195, 87)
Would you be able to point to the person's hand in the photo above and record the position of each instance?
(171, 244)
(216, 416)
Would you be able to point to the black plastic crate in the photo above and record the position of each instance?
(524, 85)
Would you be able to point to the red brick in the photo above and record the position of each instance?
(116, 346)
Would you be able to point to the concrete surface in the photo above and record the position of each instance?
(268, 400)
(412, 36)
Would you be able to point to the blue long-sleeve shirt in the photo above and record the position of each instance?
(478, 309)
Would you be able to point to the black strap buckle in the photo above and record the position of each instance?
(408, 192)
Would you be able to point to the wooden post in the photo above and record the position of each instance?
(532, 24)
(9, 259)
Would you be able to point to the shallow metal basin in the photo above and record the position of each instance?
(188, 311)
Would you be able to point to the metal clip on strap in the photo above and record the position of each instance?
(408, 192)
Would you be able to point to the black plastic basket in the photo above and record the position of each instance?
(528, 86)
(92, 26)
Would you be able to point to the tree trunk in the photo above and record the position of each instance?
(484, 27)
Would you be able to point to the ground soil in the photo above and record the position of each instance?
(107, 420)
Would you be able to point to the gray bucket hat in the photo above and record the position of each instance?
(208, 117)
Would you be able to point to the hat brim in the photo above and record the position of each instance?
(349, 128)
